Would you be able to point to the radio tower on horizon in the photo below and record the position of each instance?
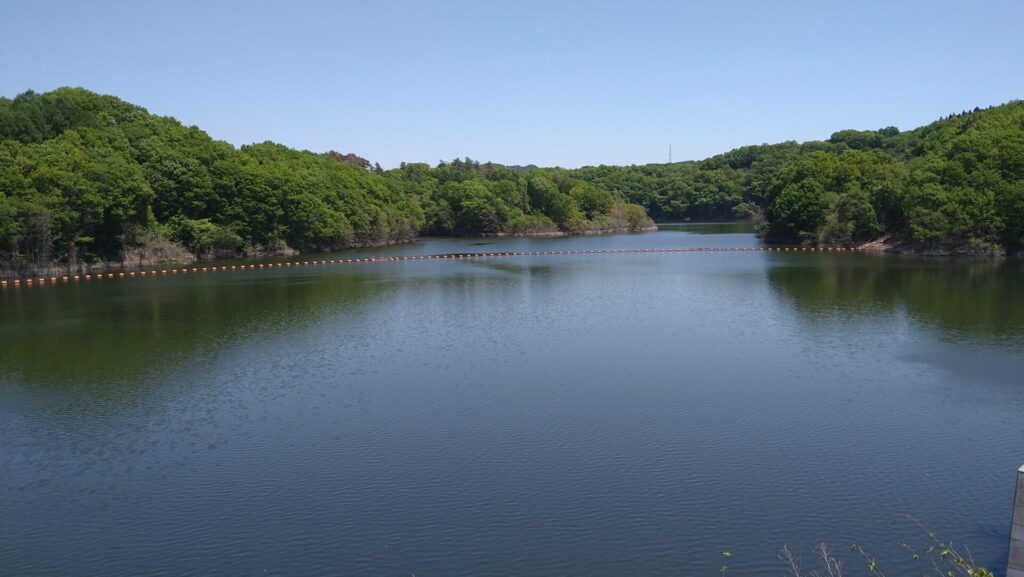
(670, 154)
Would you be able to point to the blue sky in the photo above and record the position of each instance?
(550, 83)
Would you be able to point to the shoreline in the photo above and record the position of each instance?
(888, 245)
(184, 257)
(884, 245)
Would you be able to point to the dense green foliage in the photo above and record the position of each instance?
(466, 197)
(85, 177)
(723, 187)
(956, 184)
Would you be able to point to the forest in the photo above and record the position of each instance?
(953, 186)
(88, 178)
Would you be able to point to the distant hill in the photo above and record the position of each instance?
(955, 185)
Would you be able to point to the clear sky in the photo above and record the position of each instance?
(550, 83)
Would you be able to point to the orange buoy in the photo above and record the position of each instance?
(17, 282)
(3, 283)
(88, 277)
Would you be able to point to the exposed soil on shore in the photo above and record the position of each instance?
(891, 245)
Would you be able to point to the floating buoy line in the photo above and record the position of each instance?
(161, 272)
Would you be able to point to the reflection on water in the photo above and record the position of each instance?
(588, 414)
(730, 227)
(113, 335)
(980, 299)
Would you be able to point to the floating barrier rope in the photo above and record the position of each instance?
(52, 280)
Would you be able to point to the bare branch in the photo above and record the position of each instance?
(832, 565)
(791, 559)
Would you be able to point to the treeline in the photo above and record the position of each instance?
(956, 185)
(467, 197)
(89, 178)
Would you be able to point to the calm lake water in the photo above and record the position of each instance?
(598, 415)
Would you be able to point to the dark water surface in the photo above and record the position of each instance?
(588, 415)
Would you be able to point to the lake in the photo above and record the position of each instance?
(591, 414)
